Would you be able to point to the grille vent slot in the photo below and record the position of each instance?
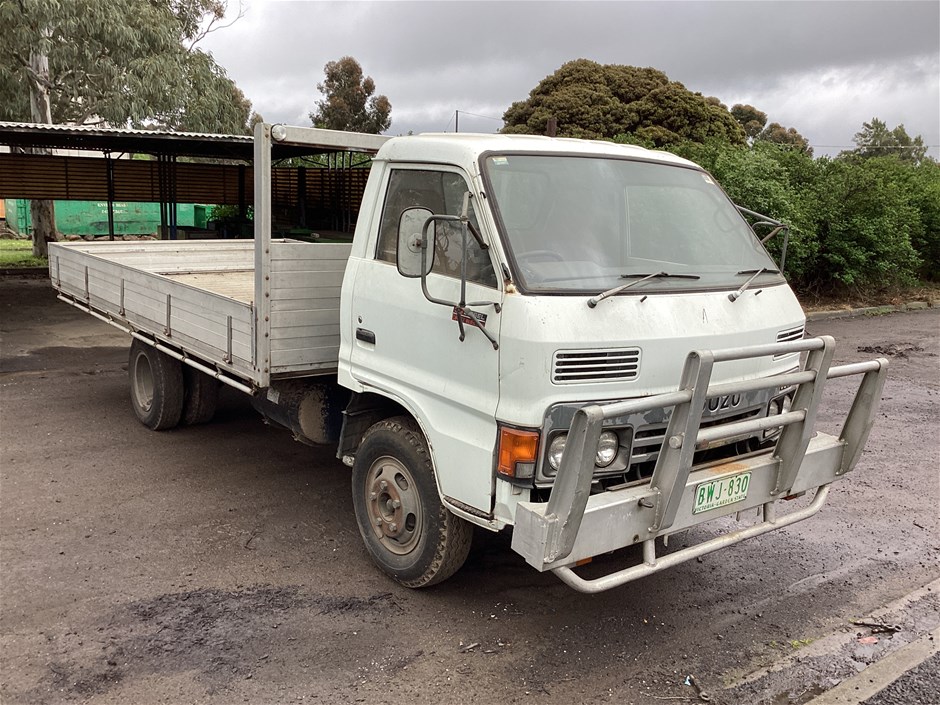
(580, 366)
(786, 336)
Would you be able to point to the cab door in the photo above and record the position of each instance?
(408, 348)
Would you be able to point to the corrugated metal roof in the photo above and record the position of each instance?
(118, 140)
(97, 130)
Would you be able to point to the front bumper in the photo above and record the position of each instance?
(575, 525)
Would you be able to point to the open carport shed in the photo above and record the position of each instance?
(183, 168)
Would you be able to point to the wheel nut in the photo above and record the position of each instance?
(378, 521)
(383, 485)
(393, 528)
(395, 504)
(372, 496)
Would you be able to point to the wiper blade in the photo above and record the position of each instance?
(660, 274)
(763, 270)
(594, 300)
(756, 273)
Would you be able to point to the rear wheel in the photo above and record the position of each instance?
(156, 386)
(407, 530)
(200, 396)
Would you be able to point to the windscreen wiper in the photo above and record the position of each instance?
(762, 270)
(754, 274)
(593, 301)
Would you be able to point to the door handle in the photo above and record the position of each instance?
(366, 336)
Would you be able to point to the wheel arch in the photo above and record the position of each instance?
(364, 410)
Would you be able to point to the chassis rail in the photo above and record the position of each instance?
(575, 525)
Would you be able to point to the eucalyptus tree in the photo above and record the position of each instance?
(115, 62)
(349, 101)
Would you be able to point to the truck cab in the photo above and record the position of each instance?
(499, 284)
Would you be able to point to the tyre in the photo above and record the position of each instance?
(407, 530)
(156, 387)
(200, 396)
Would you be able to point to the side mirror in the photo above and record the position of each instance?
(408, 253)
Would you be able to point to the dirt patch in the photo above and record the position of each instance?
(215, 636)
(899, 350)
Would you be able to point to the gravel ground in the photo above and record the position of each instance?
(222, 564)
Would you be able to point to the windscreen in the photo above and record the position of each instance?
(586, 224)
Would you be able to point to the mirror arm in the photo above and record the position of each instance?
(463, 259)
(460, 308)
(424, 257)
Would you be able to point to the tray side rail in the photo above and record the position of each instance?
(193, 322)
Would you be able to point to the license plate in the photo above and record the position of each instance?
(719, 493)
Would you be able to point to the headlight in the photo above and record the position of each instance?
(781, 405)
(607, 447)
(555, 450)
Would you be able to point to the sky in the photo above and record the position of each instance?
(821, 67)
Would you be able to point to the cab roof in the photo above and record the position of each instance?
(465, 148)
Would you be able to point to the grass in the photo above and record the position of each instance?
(19, 253)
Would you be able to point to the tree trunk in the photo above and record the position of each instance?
(42, 212)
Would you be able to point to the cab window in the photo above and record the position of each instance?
(442, 193)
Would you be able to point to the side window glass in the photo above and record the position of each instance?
(442, 193)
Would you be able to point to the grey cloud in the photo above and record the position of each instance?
(431, 58)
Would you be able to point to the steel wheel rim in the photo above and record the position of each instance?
(143, 382)
(393, 505)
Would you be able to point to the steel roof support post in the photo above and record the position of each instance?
(162, 190)
(171, 181)
(109, 169)
(302, 196)
(675, 458)
(242, 210)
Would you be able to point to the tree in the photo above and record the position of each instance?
(755, 125)
(876, 140)
(117, 62)
(349, 101)
(214, 103)
(778, 134)
(750, 118)
(596, 101)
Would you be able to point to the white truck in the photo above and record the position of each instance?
(583, 341)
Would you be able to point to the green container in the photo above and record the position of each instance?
(91, 217)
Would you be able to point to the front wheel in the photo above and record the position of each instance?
(407, 530)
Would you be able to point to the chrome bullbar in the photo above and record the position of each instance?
(575, 525)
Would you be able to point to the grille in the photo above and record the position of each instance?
(579, 366)
(786, 336)
(648, 440)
